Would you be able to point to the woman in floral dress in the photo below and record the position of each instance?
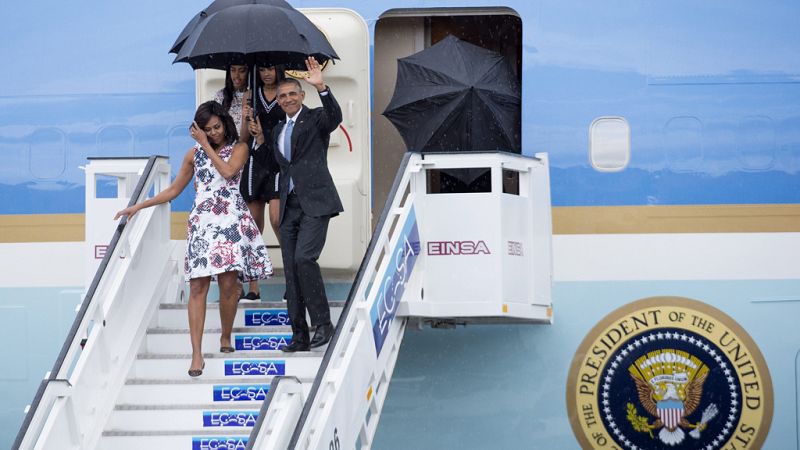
(223, 240)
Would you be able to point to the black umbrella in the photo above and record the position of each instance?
(215, 6)
(254, 34)
(455, 96)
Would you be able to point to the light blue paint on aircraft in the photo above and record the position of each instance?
(711, 93)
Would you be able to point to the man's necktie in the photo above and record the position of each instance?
(287, 147)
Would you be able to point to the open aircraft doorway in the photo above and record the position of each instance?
(402, 32)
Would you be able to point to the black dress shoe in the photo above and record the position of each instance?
(322, 336)
(295, 346)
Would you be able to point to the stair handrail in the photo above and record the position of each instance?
(341, 372)
(73, 342)
(332, 349)
(276, 390)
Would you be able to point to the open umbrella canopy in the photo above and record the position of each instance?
(455, 96)
(254, 33)
(215, 6)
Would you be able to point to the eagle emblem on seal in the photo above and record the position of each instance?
(669, 385)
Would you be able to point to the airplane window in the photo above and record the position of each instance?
(609, 144)
(47, 153)
(682, 142)
(115, 140)
(756, 143)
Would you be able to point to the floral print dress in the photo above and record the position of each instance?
(235, 110)
(222, 236)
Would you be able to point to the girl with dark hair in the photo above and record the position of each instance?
(223, 240)
(232, 95)
(259, 184)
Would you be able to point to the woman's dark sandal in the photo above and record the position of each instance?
(225, 349)
(252, 296)
(194, 373)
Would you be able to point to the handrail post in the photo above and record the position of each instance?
(100, 206)
(272, 431)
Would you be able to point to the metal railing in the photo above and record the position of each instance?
(282, 416)
(364, 276)
(278, 412)
(54, 411)
(342, 342)
(347, 395)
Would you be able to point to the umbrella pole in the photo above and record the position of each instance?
(253, 101)
(469, 119)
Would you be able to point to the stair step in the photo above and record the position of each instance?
(157, 433)
(228, 365)
(170, 343)
(174, 315)
(160, 406)
(202, 417)
(185, 331)
(218, 391)
(230, 439)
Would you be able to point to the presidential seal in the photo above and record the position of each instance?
(669, 373)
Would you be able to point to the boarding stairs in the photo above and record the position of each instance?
(159, 406)
(436, 256)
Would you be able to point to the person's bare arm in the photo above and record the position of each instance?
(173, 190)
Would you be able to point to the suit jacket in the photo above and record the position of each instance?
(308, 168)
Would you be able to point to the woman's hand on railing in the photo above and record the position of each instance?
(129, 211)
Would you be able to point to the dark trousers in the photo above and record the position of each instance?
(302, 240)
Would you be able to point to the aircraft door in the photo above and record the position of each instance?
(403, 32)
(349, 151)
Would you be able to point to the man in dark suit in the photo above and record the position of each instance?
(308, 201)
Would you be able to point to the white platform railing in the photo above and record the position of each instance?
(136, 274)
(486, 227)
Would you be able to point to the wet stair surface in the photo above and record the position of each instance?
(161, 407)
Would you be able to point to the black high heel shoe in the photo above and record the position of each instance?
(251, 296)
(194, 373)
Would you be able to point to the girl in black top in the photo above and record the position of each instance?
(259, 185)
